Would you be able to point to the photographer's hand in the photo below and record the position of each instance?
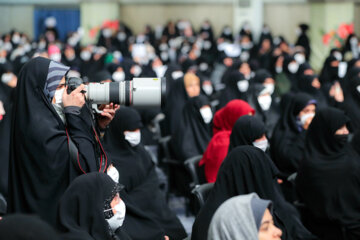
(75, 98)
(107, 115)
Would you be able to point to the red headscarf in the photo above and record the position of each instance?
(226, 117)
(215, 153)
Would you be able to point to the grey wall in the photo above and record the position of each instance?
(19, 17)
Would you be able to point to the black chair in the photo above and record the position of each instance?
(201, 193)
(192, 166)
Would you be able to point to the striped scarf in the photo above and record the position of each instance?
(56, 72)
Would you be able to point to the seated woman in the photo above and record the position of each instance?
(311, 85)
(328, 178)
(236, 88)
(137, 173)
(223, 123)
(247, 169)
(248, 130)
(262, 98)
(288, 140)
(183, 89)
(194, 131)
(85, 215)
(226, 117)
(244, 217)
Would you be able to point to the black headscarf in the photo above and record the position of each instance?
(271, 116)
(328, 73)
(245, 131)
(100, 76)
(287, 142)
(40, 164)
(193, 134)
(261, 75)
(174, 104)
(7, 96)
(293, 77)
(168, 75)
(305, 85)
(137, 174)
(26, 227)
(247, 169)
(329, 173)
(231, 90)
(352, 102)
(81, 208)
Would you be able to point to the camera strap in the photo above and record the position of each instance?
(74, 154)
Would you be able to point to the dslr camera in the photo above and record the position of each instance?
(138, 92)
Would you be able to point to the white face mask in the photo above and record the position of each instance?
(244, 56)
(117, 55)
(164, 56)
(6, 77)
(342, 69)
(56, 57)
(107, 32)
(113, 173)
(206, 114)
(117, 220)
(42, 45)
(16, 39)
(203, 67)
(8, 46)
(261, 144)
(278, 69)
(121, 36)
(207, 45)
(133, 138)
(2, 60)
(337, 55)
(353, 41)
(293, 67)
(299, 58)
(137, 71)
(265, 102)
(72, 41)
(208, 89)
(85, 55)
(160, 70)
(358, 88)
(163, 47)
(58, 95)
(243, 85)
(305, 117)
(269, 88)
(58, 105)
(177, 74)
(27, 47)
(118, 76)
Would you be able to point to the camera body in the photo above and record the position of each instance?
(138, 92)
(73, 83)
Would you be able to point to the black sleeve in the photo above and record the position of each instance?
(291, 152)
(81, 132)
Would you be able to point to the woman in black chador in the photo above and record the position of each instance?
(288, 140)
(328, 179)
(137, 173)
(92, 208)
(194, 131)
(245, 170)
(46, 121)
